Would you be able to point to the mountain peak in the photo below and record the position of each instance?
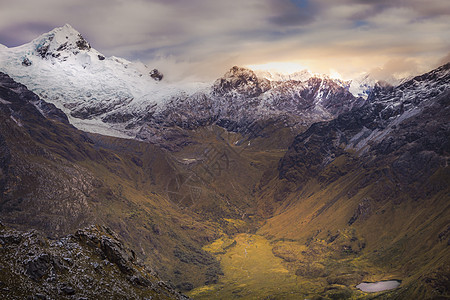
(241, 80)
(67, 26)
(65, 29)
(60, 39)
(240, 72)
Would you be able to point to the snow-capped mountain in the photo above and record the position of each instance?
(412, 117)
(368, 181)
(361, 86)
(311, 100)
(62, 68)
(240, 99)
(117, 97)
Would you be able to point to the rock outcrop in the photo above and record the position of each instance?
(156, 75)
(93, 263)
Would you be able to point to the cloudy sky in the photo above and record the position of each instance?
(206, 37)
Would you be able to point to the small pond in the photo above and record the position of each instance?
(372, 287)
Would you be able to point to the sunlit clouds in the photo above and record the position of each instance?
(280, 67)
(204, 38)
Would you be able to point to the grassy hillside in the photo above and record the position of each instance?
(263, 215)
(364, 197)
(164, 205)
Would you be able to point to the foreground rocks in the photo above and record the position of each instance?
(90, 264)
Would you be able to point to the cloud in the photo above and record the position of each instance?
(207, 36)
(17, 34)
(292, 13)
(444, 60)
(395, 69)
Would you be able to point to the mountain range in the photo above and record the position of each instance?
(113, 96)
(256, 185)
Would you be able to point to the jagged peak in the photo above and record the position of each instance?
(236, 71)
(242, 81)
(63, 31)
(64, 38)
(68, 26)
(66, 30)
(237, 75)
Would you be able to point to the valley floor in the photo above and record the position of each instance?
(257, 268)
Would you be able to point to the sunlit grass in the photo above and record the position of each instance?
(251, 271)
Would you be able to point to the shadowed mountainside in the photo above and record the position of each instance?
(166, 206)
(373, 185)
(90, 263)
(362, 197)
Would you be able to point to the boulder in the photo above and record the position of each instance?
(155, 74)
(38, 267)
(26, 62)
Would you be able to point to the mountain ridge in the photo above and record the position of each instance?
(126, 98)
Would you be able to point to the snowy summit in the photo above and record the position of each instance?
(62, 68)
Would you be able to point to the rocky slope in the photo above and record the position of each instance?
(361, 198)
(91, 263)
(409, 120)
(32, 173)
(371, 186)
(57, 179)
(165, 205)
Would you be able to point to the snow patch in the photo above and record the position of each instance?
(303, 75)
(97, 126)
(2, 101)
(361, 141)
(17, 121)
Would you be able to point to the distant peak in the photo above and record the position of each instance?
(241, 72)
(67, 28)
(241, 81)
(61, 39)
(238, 69)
